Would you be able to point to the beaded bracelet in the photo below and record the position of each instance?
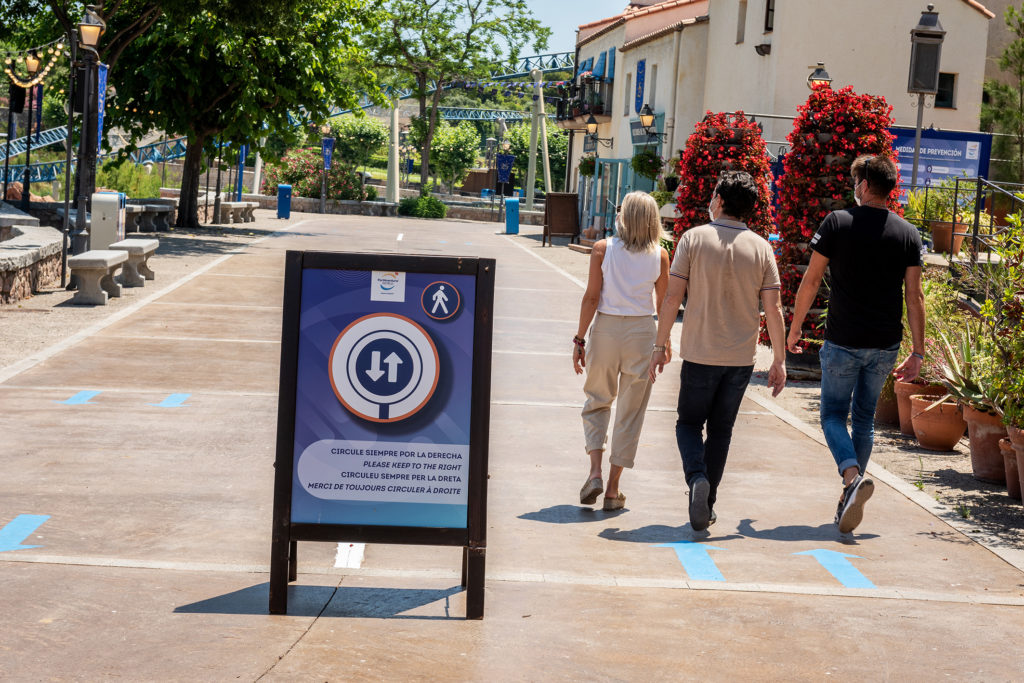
(579, 341)
(917, 355)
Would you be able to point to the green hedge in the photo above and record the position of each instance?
(422, 207)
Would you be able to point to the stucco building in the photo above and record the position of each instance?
(755, 56)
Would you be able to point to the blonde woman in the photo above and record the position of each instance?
(625, 272)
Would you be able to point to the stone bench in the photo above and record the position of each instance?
(237, 212)
(132, 217)
(94, 272)
(155, 217)
(136, 269)
(156, 212)
(247, 212)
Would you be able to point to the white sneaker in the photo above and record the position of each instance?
(851, 508)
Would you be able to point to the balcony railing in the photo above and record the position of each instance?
(588, 98)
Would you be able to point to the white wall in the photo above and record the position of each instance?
(872, 54)
(865, 44)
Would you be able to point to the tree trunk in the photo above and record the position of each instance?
(188, 201)
(421, 86)
(431, 129)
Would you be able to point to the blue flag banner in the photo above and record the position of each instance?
(328, 150)
(505, 162)
(243, 152)
(641, 70)
(101, 102)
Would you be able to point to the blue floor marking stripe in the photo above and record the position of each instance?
(18, 529)
(695, 560)
(81, 398)
(172, 401)
(838, 566)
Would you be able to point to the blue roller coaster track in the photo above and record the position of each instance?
(175, 149)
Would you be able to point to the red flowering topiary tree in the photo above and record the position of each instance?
(723, 142)
(832, 129)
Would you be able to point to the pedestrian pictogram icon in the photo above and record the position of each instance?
(384, 367)
(441, 300)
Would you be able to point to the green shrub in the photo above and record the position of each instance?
(431, 207)
(408, 205)
(422, 207)
(371, 193)
(124, 176)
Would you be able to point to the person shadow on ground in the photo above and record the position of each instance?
(570, 514)
(662, 533)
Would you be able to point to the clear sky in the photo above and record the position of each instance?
(563, 16)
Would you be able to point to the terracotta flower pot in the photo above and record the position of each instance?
(937, 429)
(1013, 479)
(942, 233)
(904, 390)
(887, 411)
(1016, 435)
(985, 431)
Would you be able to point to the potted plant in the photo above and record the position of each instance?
(940, 211)
(647, 163)
(887, 409)
(1004, 314)
(984, 424)
(938, 422)
(671, 178)
(587, 165)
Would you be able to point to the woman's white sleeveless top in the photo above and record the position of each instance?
(629, 277)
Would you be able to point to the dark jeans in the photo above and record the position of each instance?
(708, 395)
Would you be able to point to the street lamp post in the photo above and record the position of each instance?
(32, 66)
(89, 31)
(925, 54)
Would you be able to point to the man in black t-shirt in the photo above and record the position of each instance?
(874, 262)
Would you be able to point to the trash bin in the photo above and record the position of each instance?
(284, 201)
(107, 219)
(511, 216)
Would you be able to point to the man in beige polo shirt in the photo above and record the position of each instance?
(725, 271)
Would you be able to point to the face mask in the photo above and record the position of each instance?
(856, 197)
(711, 215)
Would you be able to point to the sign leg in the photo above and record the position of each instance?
(475, 583)
(465, 564)
(293, 560)
(279, 576)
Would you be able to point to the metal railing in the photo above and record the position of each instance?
(972, 254)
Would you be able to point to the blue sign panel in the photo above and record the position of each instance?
(943, 155)
(383, 399)
(328, 150)
(641, 70)
(101, 103)
(505, 163)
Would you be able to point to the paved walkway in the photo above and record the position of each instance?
(137, 472)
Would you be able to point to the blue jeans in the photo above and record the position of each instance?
(711, 395)
(851, 380)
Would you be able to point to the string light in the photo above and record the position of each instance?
(54, 50)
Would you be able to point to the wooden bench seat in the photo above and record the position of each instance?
(94, 271)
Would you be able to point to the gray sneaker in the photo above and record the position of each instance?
(851, 505)
(700, 513)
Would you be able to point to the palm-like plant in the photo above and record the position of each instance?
(959, 374)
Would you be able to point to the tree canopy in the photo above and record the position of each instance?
(242, 83)
(429, 44)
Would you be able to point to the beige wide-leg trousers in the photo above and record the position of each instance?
(618, 359)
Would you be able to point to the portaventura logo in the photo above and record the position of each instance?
(387, 281)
